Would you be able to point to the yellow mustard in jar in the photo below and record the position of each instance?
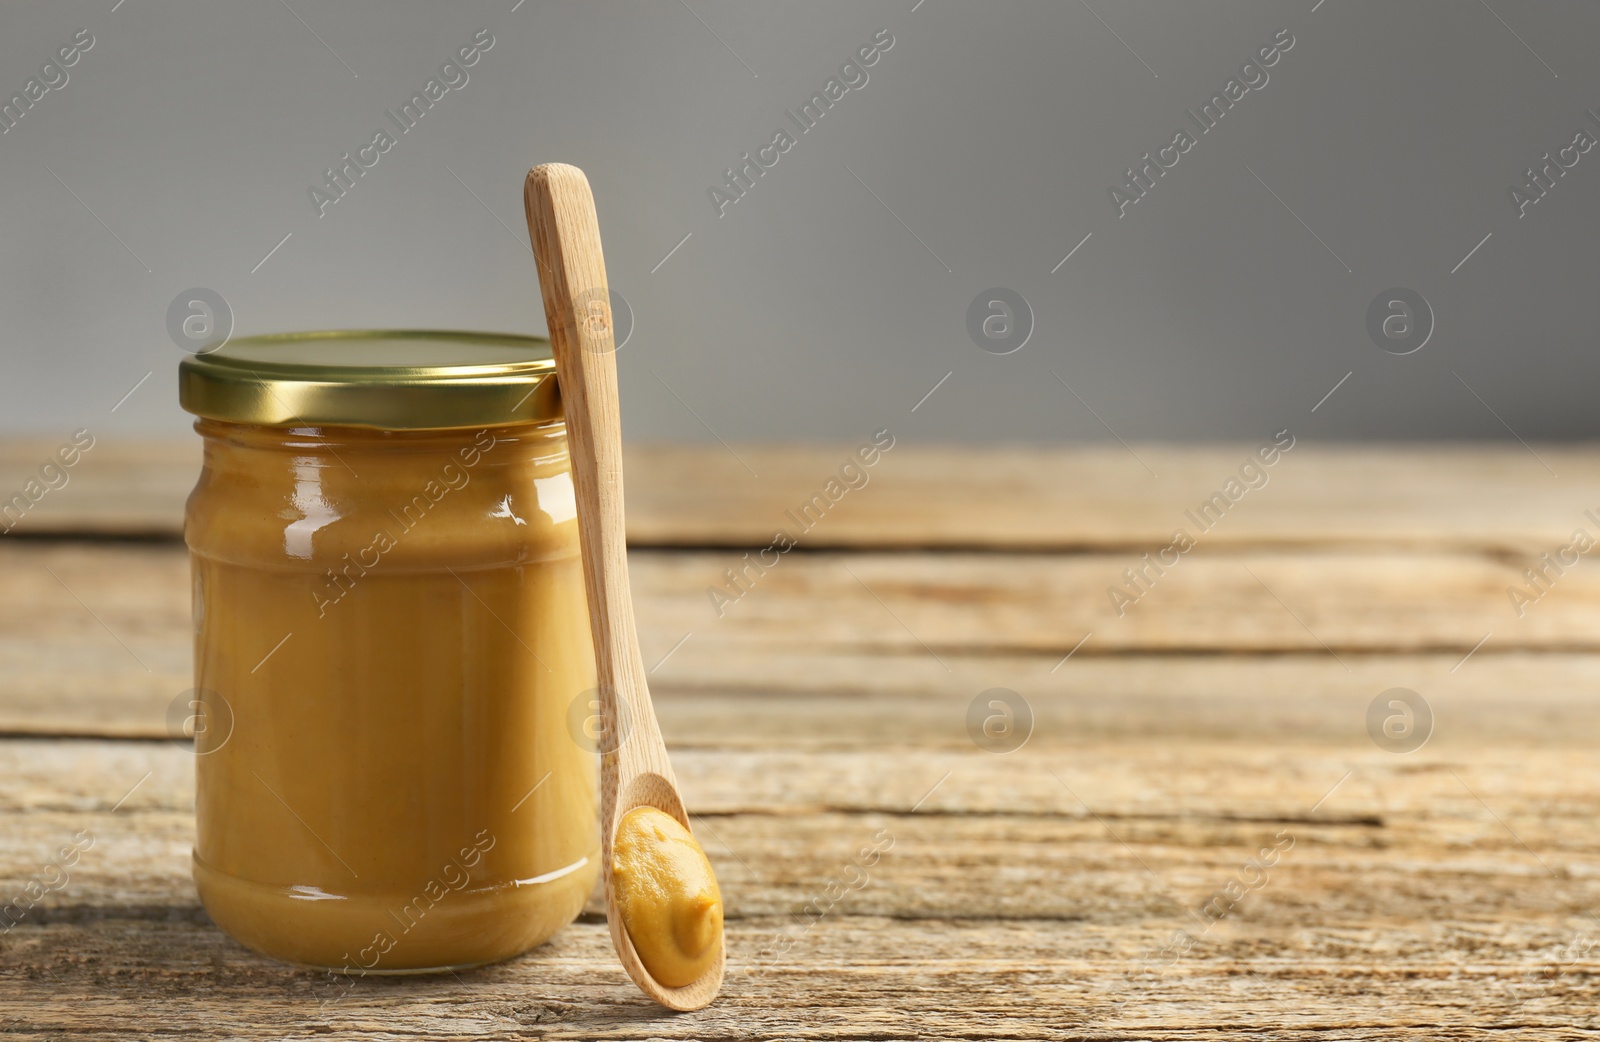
(390, 637)
(668, 896)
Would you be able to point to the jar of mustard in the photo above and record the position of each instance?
(391, 639)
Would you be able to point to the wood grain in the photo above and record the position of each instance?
(97, 635)
(1440, 894)
(1474, 497)
(849, 977)
(1450, 892)
(119, 487)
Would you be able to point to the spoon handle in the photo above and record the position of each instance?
(577, 309)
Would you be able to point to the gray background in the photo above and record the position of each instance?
(812, 309)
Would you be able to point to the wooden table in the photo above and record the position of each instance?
(1105, 880)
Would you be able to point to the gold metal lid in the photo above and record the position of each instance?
(391, 379)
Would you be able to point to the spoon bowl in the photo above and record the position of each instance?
(652, 790)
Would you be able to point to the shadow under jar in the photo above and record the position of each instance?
(392, 651)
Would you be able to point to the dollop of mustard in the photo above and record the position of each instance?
(667, 895)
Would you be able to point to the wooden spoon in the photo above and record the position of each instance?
(634, 768)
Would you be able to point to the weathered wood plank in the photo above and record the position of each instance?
(709, 697)
(1404, 908)
(1459, 497)
(1110, 833)
(119, 486)
(1260, 601)
(1463, 496)
(993, 866)
(848, 977)
(97, 637)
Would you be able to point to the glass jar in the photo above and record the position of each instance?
(391, 638)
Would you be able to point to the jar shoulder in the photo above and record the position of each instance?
(408, 512)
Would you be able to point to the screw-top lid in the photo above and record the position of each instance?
(392, 379)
